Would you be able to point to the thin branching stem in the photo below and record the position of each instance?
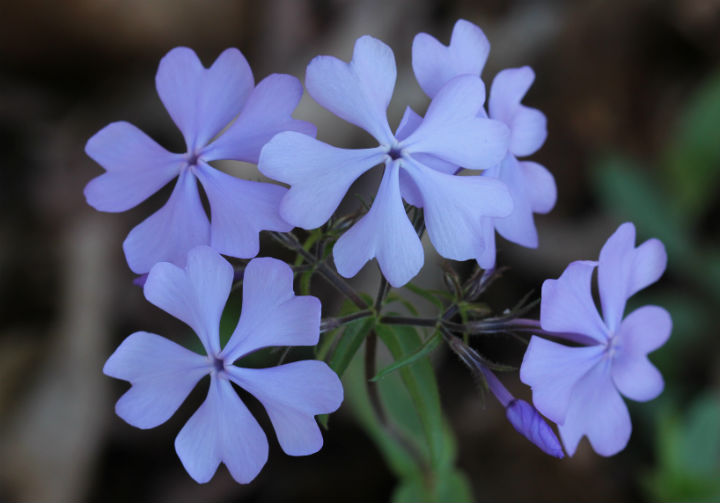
(291, 242)
(329, 324)
(383, 290)
(370, 370)
(406, 320)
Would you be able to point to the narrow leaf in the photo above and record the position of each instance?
(425, 294)
(350, 341)
(427, 348)
(419, 379)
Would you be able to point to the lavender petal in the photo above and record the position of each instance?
(360, 91)
(292, 395)
(272, 315)
(435, 64)
(319, 175)
(195, 294)
(136, 167)
(203, 101)
(222, 430)
(567, 304)
(268, 111)
(169, 233)
(162, 375)
(385, 233)
(239, 210)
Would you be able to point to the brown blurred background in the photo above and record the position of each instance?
(615, 78)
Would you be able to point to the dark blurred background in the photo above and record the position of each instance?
(631, 90)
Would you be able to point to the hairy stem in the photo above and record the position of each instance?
(332, 323)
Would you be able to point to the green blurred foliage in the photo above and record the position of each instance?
(688, 452)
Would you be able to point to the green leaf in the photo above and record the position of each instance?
(692, 161)
(229, 318)
(407, 304)
(350, 341)
(701, 444)
(626, 191)
(352, 337)
(406, 449)
(631, 195)
(688, 454)
(326, 342)
(427, 347)
(453, 486)
(419, 379)
(399, 460)
(691, 322)
(425, 294)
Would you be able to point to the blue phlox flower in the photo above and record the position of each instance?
(222, 116)
(451, 133)
(163, 373)
(531, 186)
(580, 388)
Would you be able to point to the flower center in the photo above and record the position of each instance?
(193, 159)
(218, 364)
(613, 346)
(395, 153)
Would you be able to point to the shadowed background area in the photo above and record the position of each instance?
(631, 91)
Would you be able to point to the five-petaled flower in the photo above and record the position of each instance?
(579, 388)
(202, 102)
(453, 132)
(163, 373)
(531, 186)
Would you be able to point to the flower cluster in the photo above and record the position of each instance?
(458, 165)
(421, 159)
(531, 186)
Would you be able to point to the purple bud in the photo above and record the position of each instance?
(528, 421)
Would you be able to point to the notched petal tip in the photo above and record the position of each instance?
(162, 375)
(434, 63)
(202, 101)
(567, 304)
(358, 92)
(293, 394)
(222, 430)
